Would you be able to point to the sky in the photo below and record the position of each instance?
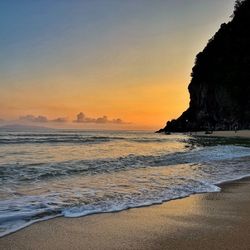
(101, 64)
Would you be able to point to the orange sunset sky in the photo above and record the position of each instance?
(127, 60)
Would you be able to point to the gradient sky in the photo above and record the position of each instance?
(127, 59)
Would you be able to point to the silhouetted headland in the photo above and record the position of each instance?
(220, 85)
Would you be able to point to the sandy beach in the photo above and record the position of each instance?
(239, 134)
(205, 221)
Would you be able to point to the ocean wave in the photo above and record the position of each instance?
(43, 210)
(56, 139)
(74, 138)
(29, 210)
(40, 171)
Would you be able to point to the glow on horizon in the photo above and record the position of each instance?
(130, 60)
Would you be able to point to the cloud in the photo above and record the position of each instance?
(118, 121)
(41, 119)
(103, 119)
(82, 118)
(32, 118)
(60, 120)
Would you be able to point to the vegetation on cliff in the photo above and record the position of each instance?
(220, 85)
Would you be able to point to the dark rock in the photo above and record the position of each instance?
(220, 85)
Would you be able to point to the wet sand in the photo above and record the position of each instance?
(240, 134)
(205, 221)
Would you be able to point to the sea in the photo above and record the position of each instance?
(44, 175)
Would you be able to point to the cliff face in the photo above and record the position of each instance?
(220, 85)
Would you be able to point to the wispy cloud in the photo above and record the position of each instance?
(32, 118)
(82, 118)
(60, 120)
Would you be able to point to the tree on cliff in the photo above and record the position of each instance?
(238, 5)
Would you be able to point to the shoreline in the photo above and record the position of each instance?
(219, 185)
(152, 227)
(245, 134)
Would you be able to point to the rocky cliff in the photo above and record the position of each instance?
(220, 85)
